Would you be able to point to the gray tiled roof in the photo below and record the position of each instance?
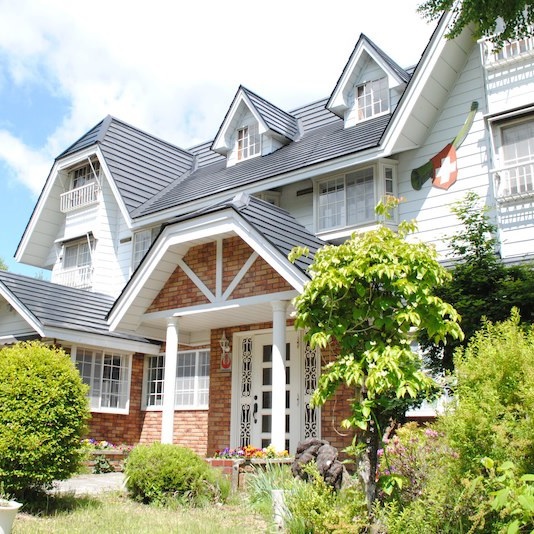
(275, 224)
(281, 229)
(141, 165)
(275, 118)
(401, 73)
(318, 145)
(58, 306)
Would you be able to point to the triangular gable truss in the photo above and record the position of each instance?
(217, 272)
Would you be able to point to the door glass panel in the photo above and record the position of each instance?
(267, 353)
(287, 423)
(288, 376)
(267, 399)
(267, 376)
(288, 397)
(266, 423)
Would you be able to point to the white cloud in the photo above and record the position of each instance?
(172, 68)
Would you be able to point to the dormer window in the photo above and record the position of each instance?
(85, 175)
(372, 98)
(248, 142)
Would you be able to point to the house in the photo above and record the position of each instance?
(169, 267)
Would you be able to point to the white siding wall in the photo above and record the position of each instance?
(108, 277)
(432, 206)
(11, 323)
(103, 220)
(301, 206)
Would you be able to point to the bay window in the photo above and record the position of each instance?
(192, 380)
(108, 376)
(349, 200)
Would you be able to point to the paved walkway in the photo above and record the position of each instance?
(91, 484)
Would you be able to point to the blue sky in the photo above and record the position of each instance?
(167, 68)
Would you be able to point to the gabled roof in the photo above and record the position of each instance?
(274, 224)
(270, 117)
(337, 102)
(316, 146)
(140, 164)
(55, 306)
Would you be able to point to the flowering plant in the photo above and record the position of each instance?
(249, 452)
(93, 444)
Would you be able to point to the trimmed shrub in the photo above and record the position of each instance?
(164, 474)
(43, 416)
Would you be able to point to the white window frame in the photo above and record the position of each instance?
(141, 242)
(372, 99)
(384, 183)
(84, 175)
(248, 142)
(107, 393)
(83, 256)
(153, 388)
(513, 178)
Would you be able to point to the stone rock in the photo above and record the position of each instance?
(324, 456)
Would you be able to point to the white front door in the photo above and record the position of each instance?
(262, 391)
(253, 391)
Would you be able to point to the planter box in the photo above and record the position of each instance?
(238, 469)
(115, 457)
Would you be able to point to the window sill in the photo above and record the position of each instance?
(176, 409)
(114, 411)
(339, 235)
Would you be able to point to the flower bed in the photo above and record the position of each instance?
(105, 457)
(238, 463)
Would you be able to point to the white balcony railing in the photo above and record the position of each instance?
(80, 277)
(514, 181)
(79, 197)
(509, 53)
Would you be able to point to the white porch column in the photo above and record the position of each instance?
(278, 423)
(169, 380)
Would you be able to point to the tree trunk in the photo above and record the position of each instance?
(367, 467)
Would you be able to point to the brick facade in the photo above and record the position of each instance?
(206, 431)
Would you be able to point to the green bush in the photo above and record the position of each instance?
(43, 415)
(164, 474)
(314, 506)
(495, 394)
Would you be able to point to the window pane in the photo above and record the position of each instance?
(192, 379)
(332, 203)
(154, 390)
(360, 196)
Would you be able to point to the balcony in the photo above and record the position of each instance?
(514, 182)
(80, 277)
(79, 197)
(510, 52)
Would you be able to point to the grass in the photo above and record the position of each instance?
(115, 513)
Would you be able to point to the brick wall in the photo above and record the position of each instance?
(335, 410)
(190, 429)
(119, 428)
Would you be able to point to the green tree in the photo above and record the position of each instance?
(43, 415)
(3, 265)
(497, 19)
(481, 284)
(369, 295)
